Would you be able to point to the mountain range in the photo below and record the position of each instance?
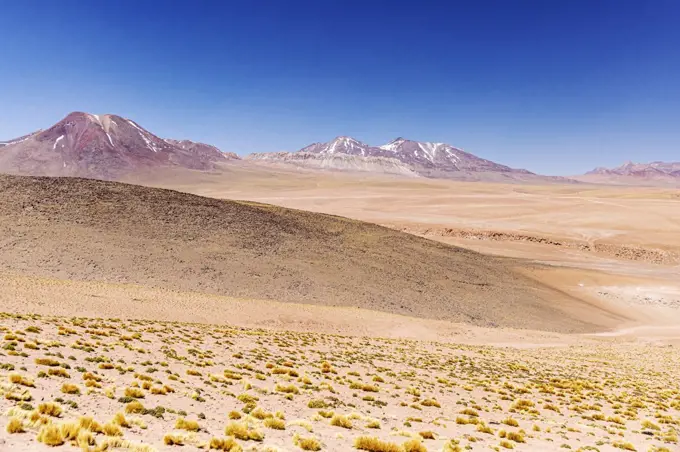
(110, 146)
(399, 156)
(101, 147)
(641, 172)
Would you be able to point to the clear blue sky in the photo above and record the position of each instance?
(557, 87)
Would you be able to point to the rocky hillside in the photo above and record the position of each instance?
(83, 229)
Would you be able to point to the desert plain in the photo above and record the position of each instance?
(334, 311)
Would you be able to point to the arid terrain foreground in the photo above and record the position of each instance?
(387, 314)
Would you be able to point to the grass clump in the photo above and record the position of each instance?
(414, 445)
(275, 423)
(135, 393)
(68, 388)
(120, 419)
(306, 443)
(188, 425)
(47, 362)
(240, 430)
(511, 422)
(373, 444)
(287, 389)
(507, 444)
(431, 402)
(15, 425)
(373, 423)
(70, 431)
(134, 407)
(172, 439)
(228, 444)
(112, 429)
(517, 437)
(18, 379)
(50, 409)
(58, 372)
(317, 403)
(339, 420)
(50, 435)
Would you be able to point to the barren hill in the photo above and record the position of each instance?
(84, 229)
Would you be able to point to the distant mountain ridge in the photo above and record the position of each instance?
(399, 156)
(101, 147)
(645, 170)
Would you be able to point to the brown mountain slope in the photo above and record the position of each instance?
(101, 147)
(93, 230)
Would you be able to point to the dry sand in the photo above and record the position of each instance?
(269, 389)
(428, 384)
(633, 232)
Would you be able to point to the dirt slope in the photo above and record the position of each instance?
(92, 230)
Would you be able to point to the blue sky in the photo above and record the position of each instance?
(557, 87)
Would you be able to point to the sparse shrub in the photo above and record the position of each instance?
(134, 407)
(306, 443)
(112, 429)
(225, 444)
(511, 422)
(47, 362)
(50, 409)
(21, 380)
(58, 372)
(134, 393)
(119, 418)
(373, 444)
(287, 389)
(650, 425)
(275, 423)
(483, 428)
(317, 403)
(68, 388)
(70, 430)
(373, 423)
(50, 435)
(340, 420)
(430, 402)
(517, 437)
(326, 414)
(240, 430)
(171, 439)
(15, 425)
(413, 445)
(88, 423)
(189, 425)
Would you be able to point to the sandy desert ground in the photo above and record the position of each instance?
(90, 363)
(630, 233)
